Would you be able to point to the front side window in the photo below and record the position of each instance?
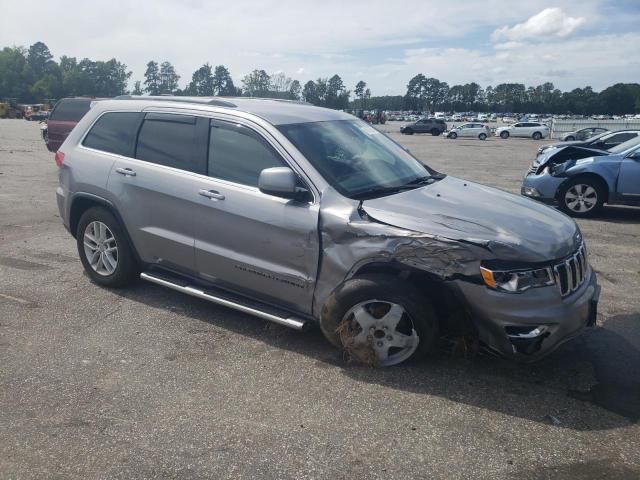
(355, 158)
(238, 154)
(114, 132)
(173, 141)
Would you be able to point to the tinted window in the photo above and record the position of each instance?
(70, 110)
(619, 138)
(238, 155)
(114, 132)
(171, 140)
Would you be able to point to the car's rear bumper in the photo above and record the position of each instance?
(557, 319)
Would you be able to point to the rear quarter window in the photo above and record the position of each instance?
(114, 132)
(70, 110)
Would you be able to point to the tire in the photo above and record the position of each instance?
(408, 131)
(377, 291)
(570, 138)
(92, 238)
(537, 135)
(435, 132)
(589, 192)
(482, 136)
(504, 135)
(453, 135)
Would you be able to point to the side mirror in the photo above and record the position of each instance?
(634, 155)
(281, 182)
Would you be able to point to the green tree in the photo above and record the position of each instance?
(295, 90)
(13, 61)
(223, 83)
(256, 83)
(359, 91)
(202, 82)
(310, 93)
(168, 78)
(137, 88)
(152, 83)
(39, 58)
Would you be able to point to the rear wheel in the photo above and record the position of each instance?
(537, 135)
(104, 249)
(380, 320)
(504, 134)
(582, 197)
(435, 132)
(570, 138)
(408, 131)
(482, 136)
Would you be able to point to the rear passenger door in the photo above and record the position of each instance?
(245, 240)
(154, 191)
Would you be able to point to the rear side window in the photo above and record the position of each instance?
(620, 138)
(114, 132)
(237, 154)
(173, 141)
(70, 110)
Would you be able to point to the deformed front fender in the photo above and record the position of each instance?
(350, 239)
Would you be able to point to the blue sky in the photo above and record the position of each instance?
(572, 43)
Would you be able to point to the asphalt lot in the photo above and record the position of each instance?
(149, 383)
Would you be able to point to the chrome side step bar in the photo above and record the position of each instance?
(291, 322)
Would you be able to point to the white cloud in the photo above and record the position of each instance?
(370, 40)
(550, 22)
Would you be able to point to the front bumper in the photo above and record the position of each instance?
(529, 325)
(543, 187)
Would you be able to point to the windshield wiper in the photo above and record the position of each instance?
(383, 191)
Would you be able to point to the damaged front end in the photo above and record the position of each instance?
(441, 237)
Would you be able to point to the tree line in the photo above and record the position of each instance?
(32, 76)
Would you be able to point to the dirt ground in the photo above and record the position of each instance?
(149, 383)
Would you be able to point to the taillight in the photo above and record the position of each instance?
(59, 158)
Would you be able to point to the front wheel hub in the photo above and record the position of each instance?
(383, 328)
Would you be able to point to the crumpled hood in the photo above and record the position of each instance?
(510, 226)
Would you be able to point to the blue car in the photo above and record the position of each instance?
(580, 180)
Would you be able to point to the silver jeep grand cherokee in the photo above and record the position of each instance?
(301, 215)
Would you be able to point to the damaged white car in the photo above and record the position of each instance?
(303, 215)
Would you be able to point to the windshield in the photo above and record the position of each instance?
(628, 145)
(356, 159)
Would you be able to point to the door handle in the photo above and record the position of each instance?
(212, 194)
(127, 172)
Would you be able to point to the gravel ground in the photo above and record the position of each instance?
(149, 383)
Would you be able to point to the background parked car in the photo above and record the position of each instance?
(475, 130)
(582, 134)
(64, 116)
(581, 185)
(603, 141)
(434, 126)
(533, 130)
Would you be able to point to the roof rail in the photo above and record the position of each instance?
(170, 98)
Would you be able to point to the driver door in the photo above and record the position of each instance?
(245, 240)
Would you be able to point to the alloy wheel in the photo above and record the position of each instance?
(581, 198)
(385, 328)
(100, 248)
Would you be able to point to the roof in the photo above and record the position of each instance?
(275, 111)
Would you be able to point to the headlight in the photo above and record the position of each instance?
(559, 168)
(517, 281)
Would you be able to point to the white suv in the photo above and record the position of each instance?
(533, 130)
